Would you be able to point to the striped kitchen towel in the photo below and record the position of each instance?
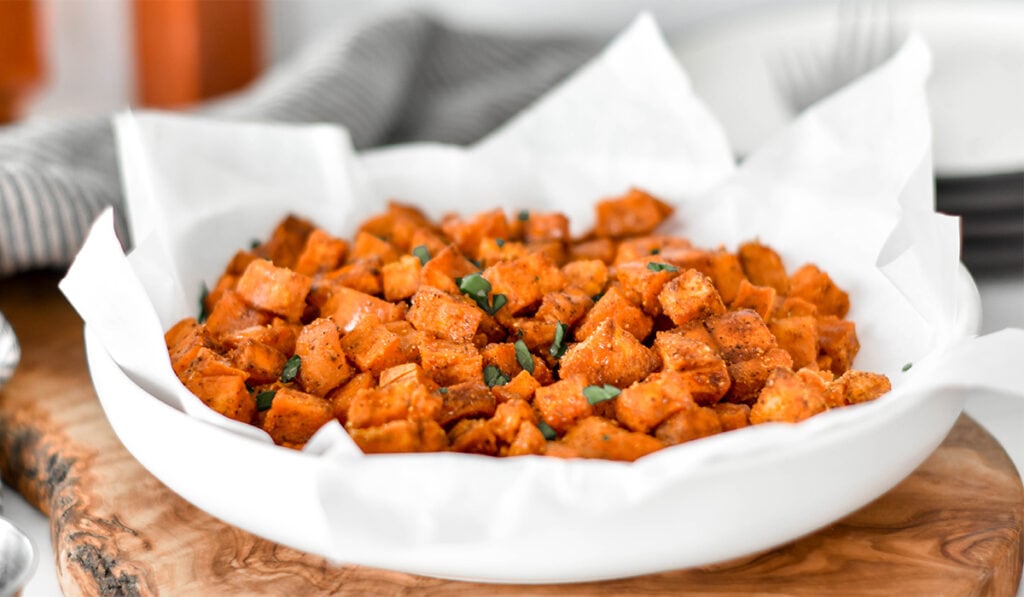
(388, 79)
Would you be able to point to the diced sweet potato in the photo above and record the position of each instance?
(690, 296)
(260, 362)
(642, 285)
(401, 436)
(636, 212)
(322, 253)
(615, 306)
(521, 387)
(401, 278)
(727, 274)
(793, 306)
(528, 440)
(760, 299)
(398, 225)
(816, 287)
(342, 396)
(183, 343)
(644, 405)
(232, 313)
(799, 337)
(597, 249)
(749, 376)
(444, 267)
(348, 307)
(449, 363)
(407, 375)
(596, 437)
(787, 398)
(466, 400)
(704, 371)
(591, 276)
(610, 355)
(546, 226)
(763, 266)
(537, 334)
(239, 262)
(741, 335)
(363, 275)
(444, 315)
(225, 394)
(275, 289)
(367, 245)
(473, 436)
(854, 387)
(508, 416)
(837, 340)
(555, 250)
(372, 347)
(370, 408)
(641, 247)
(468, 232)
(225, 283)
(732, 416)
(286, 242)
(565, 306)
(524, 281)
(279, 334)
(562, 403)
(688, 424)
(295, 416)
(323, 363)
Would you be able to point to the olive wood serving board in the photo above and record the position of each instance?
(954, 527)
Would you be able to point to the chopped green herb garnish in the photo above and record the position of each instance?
(596, 394)
(423, 253)
(249, 388)
(661, 267)
(907, 367)
(476, 287)
(523, 215)
(523, 356)
(547, 431)
(558, 346)
(203, 293)
(655, 251)
(253, 244)
(494, 377)
(605, 437)
(291, 368)
(597, 297)
(265, 399)
(500, 242)
(442, 390)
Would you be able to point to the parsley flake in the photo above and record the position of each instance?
(523, 356)
(494, 377)
(500, 242)
(291, 368)
(907, 367)
(442, 390)
(661, 267)
(264, 400)
(558, 346)
(547, 431)
(524, 215)
(203, 293)
(423, 253)
(597, 394)
(477, 287)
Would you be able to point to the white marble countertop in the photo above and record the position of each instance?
(1002, 306)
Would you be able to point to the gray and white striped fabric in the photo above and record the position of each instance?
(395, 78)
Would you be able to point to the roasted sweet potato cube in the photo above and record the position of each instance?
(239, 262)
(401, 436)
(555, 250)
(565, 306)
(634, 213)
(508, 416)
(749, 376)
(322, 253)
(760, 299)
(407, 375)
(348, 307)
(787, 398)
(727, 274)
(367, 245)
(468, 232)
(225, 283)
(763, 266)
(323, 364)
(690, 295)
(429, 238)
(597, 437)
(183, 343)
(278, 334)
(444, 315)
(854, 387)
(524, 280)
(704, 371)
(260, 362)
(816, 287)
(597, 249)
(638, 248)
(493, 250)
(275, 289)
(225, 394)
(546, 226)
(799, 337)
(562, 403)
(286, 242)
(398, 225)
(793, 306)
(443, 267)
(372, 347)
(535, 333)
(732, 416)
(591, 276)
(401, 278)
(837, 340)
(503, 356)
(449, 363)
(363, 275)
(295, 416)
(466, 400)
(615, 306)
(644, 405)
(610, 355)
(473, 436)
(528, 440)
(741, 335)
(232, 313)
(642, 285)
(521, 387)
(393, 402)
(342, 396)
(689, 424)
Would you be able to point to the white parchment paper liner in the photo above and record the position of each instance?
(847, 186)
